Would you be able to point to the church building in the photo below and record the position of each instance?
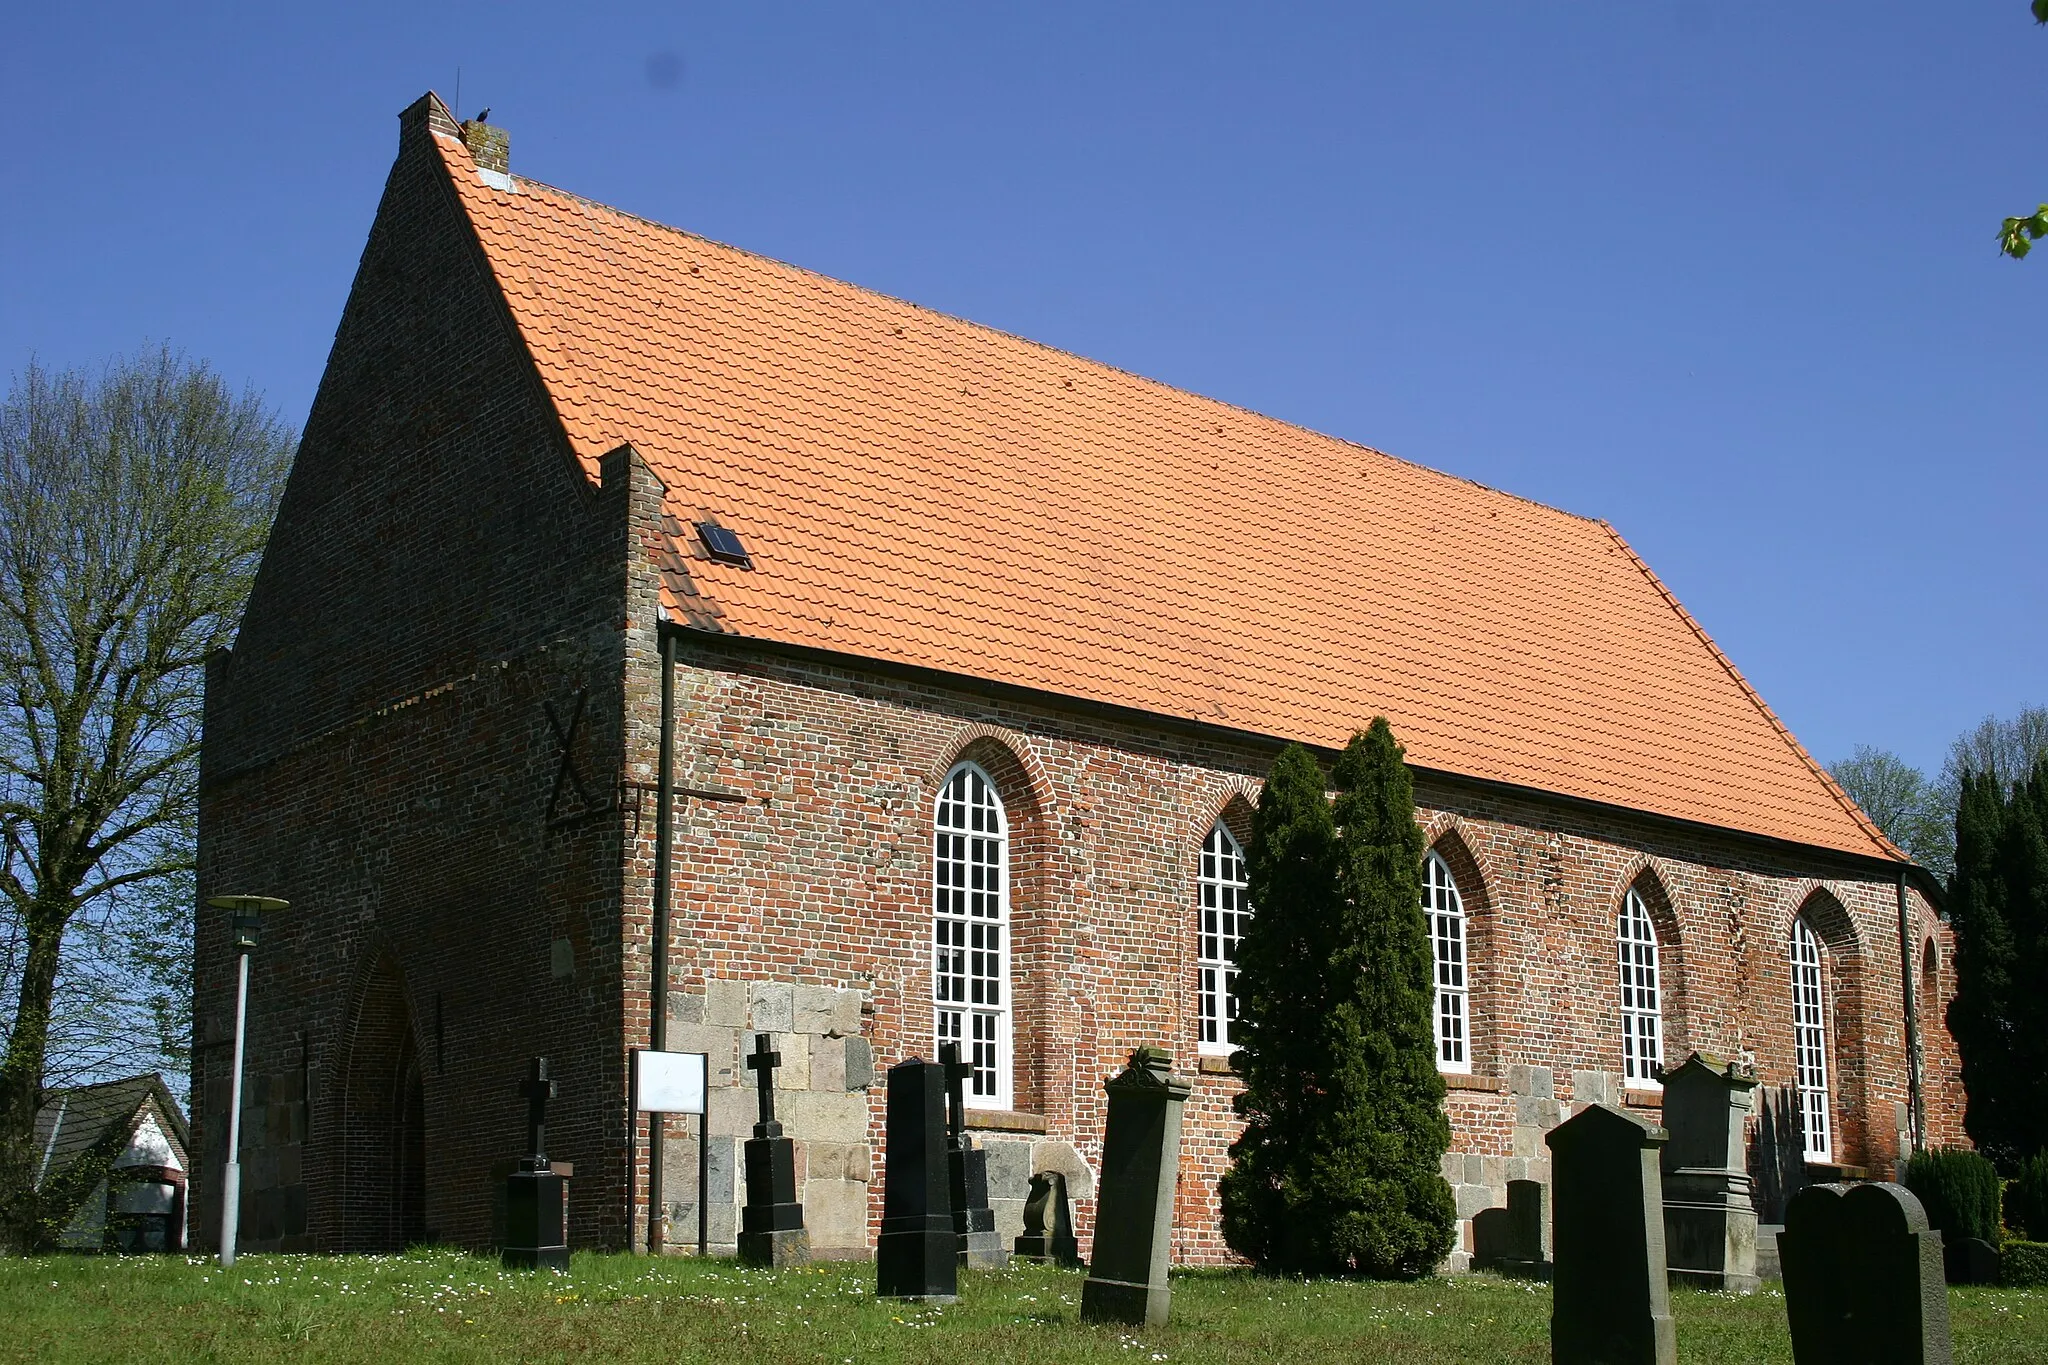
(660, 645)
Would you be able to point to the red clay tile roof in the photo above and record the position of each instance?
(923, 490)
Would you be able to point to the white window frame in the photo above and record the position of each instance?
(1222, 909)
(1810, 1039)
(1642, 994)
(1450, 957)
(966, 914)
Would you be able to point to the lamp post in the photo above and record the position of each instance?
(245, 909)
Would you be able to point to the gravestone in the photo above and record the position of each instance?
(917, 1253)
(1610, 1302)
(1134, 1200)
(1049, 1223)
(536, 1195)
(1515, 1240)
(1709, 1211)
(1863, 1279)
(772, 1224)
(981, 1246)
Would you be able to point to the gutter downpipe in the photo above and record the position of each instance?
(1916, 1119)
(665, 791)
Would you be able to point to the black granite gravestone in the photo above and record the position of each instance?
(1863, 1278)
(772, 1224)
(1134, 1209)
(1709, 1209)
(1610, 1304)
(536, 1195)
(981, 1246)
(1515, 1240)
(917, 1254)
(1049, 1223)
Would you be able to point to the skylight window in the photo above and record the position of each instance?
(723, 545)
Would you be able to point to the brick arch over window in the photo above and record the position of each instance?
(374, 1128)
(1650, 890)
(1484, 995)
(1020, 784)
(1844, 964)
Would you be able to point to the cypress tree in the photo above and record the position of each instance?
(1337, 1170)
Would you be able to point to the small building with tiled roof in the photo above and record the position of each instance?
(112, 1163)
(659, 644)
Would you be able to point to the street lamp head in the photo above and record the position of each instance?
(245, 910)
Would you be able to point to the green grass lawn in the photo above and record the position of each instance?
(439, 1305)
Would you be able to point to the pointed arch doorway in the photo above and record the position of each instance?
(383, 1128)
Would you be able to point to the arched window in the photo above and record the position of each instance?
(971, 922)
(1642, 1015)
(1224, 910)
(1444, 908)
(1810, 1039)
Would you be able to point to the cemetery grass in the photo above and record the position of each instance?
(445, 1306)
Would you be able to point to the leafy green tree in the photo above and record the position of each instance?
(1901, 801)
(134, 505)
(1338, 1168)
(2016, 237)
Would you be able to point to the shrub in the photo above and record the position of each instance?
(1959, 1190)
(2024, 1263)
(2026, 1199)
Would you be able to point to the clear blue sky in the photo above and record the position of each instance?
(1719, 271)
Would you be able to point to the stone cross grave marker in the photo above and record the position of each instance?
(1134, 1207)
(1049, 1223)
(536, 1195)
(772, 1224)
(1709, 1215)
(1610, 1303)
(1863, 1279)
(917, 1253)
(981, 1245)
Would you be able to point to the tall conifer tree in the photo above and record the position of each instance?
(1337, 1169)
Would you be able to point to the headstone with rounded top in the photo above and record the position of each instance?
(1610, 1304)
(1863, 1281)
(1134, 1202)
(1048, 1223)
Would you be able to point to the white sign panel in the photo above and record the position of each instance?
(669, 1082)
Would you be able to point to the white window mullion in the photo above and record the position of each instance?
(1810, 1040)
(1444, 909)
(971, 931)
(1642, 1013)
(1224, 909)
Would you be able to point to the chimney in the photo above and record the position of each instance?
(490, 148)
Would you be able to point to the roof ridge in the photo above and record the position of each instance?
(1046, 347)
(1855, 812)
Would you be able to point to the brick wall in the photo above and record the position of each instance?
(379, 752)
(820, 875)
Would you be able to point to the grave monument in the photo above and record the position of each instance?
(981, 1246)
(1049, 1223)
(1709, 1209)
(1134, 1206)
(1863, 1278)
(917, 1254)
(772, 1224)
(536, 1194)
(1515, 1241)
(1610, 1304)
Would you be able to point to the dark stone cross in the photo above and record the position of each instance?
(967, 1173)
(772, 1224)
(536, 1193)
(538, 1090)
(762, 1061)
